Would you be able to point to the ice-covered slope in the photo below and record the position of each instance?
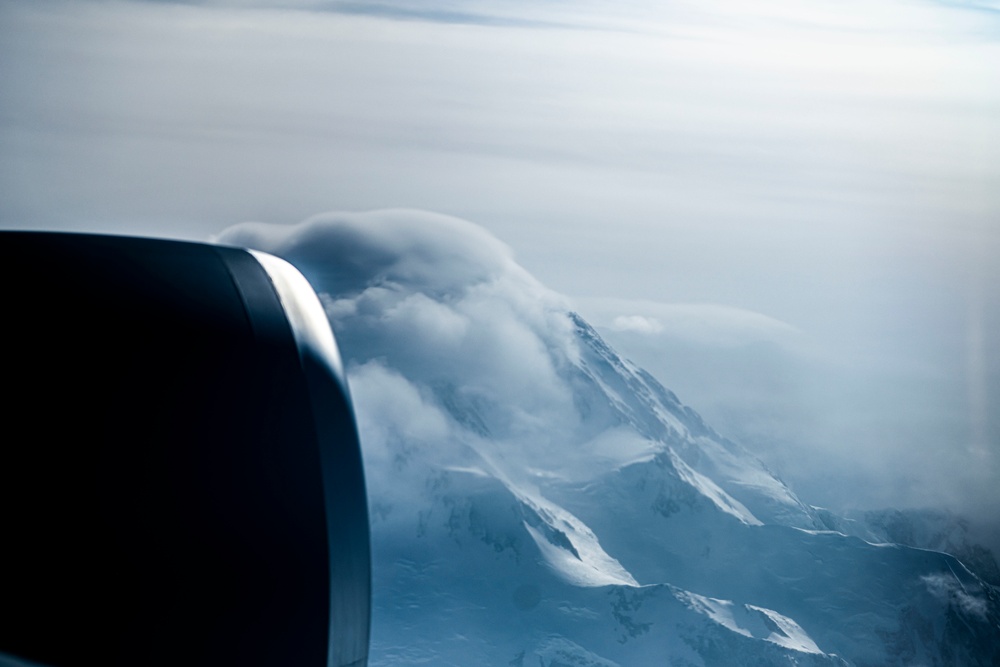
(933, 529)
(640, 401)
(538, 500)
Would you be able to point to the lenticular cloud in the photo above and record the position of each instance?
(537, 499)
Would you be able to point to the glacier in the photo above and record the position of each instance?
(536, 499)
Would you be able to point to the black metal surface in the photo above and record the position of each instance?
(177, 480)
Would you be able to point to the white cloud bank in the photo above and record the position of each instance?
(444, 335)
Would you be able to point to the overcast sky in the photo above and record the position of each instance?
(788, 211)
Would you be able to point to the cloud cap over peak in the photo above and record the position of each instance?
(346, 252)
(441, 303)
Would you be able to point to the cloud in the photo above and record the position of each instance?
(705, 324)
(637, 323)
(395, 411)
(418, 251)
(434, 311)
(457, 14)
(948, 589)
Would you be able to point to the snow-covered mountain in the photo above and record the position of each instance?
(539, 500)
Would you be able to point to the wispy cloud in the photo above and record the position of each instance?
(637, 323)
(949, 589)
(705, 324)
(456, 14)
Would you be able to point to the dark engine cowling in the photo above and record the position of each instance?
(180, 474)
